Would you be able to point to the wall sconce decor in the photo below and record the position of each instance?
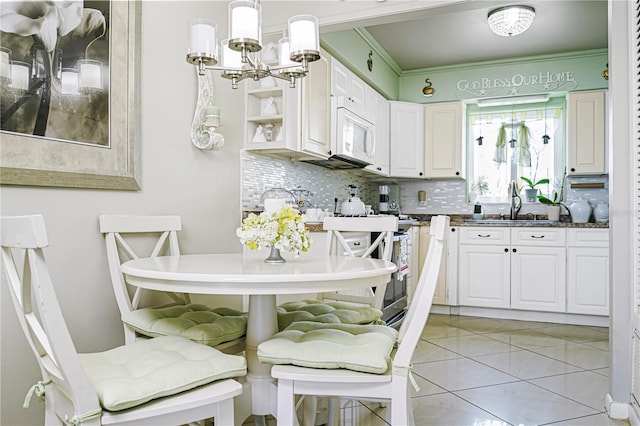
(510, 21)
(605, 73)
(239, 54)
(428, 90)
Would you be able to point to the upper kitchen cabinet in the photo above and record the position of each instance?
(443, 140)
(346, 84)
(379, 106)
(316, 107)
(290, 122)
(586, 133)
(406, 139)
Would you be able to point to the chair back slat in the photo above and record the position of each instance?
(121, 232)
(418, 311)
(337, 226)
(39, 314)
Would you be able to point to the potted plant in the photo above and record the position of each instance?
(478, 189)
(531, 192)
(553, 204)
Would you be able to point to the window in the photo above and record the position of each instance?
(508, 142)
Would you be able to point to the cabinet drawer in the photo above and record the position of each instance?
(582, 237)
(538, 236)
(484, 235)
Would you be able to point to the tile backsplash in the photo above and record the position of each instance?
(444, 196)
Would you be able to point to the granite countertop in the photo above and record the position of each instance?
(523, 221)
(488, 220)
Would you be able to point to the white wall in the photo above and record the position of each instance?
(202, 187)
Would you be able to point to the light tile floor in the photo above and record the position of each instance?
(492, 372)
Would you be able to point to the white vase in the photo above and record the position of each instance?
(601, 212)
(580, 211)
(553, 213)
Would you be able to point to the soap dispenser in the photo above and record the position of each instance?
(477, 212)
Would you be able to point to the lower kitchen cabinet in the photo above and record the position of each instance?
(440, 295)
(517, 268)
(483, 275)
(538, 278)
(588, 271)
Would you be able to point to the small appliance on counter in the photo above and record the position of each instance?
(389, 201)
(354, 205)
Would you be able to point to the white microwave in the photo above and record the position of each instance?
(353, 137)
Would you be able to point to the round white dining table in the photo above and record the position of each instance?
(237, 274)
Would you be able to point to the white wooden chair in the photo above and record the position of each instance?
(127, 237)
(73, 386)
(359, 307)
(391, 387)
(337, 244)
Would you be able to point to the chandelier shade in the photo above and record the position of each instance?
(510, 21)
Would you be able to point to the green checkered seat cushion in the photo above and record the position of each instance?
(365, 348)
(326, 312)
(196, 322)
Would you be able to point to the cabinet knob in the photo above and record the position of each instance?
(457, 173)
(379, 169)
(329, 152)
(514, 250)
(506, 250)
(420, 173)
(453, 229)
(573, 169)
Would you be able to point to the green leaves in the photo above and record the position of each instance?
(549, 202)
(531, 184)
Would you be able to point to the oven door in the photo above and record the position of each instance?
(395, 297)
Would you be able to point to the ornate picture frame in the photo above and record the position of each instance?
(38, 161)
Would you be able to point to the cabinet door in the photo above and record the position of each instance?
(538, 278)
(443, 140)
(406, 140)
(588, 280)
(586, 125)
(316, 107)
(483, 276)
(381, 164)
(347, 84)
(440, 295)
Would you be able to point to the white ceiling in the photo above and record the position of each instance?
(429, 33)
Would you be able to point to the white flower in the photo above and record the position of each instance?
(282, 229)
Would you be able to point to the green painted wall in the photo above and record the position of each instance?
(544, 74)
(353, 51)
(554, 74)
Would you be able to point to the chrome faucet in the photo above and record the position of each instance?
(516, 201)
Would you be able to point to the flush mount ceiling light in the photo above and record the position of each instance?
(511, 20)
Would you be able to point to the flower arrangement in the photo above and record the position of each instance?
(281, 228)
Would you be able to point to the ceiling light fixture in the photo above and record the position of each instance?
(511, 20)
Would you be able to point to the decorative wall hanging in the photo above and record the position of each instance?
(605, 73)
(428, 90)
(370, 61)
(69, 106)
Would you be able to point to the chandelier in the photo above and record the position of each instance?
(511, 20)
(238, 57)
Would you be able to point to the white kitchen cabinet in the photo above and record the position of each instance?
(380, 107)
(517, 268)
(588, 271)
(484, 267)
(348, 85)
(301, 126)
(315, 105)
(406, 151)
(443, 140)
(440, 295)
(586, 132)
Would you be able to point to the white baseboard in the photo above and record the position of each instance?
(551, 317)
(617, 410)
